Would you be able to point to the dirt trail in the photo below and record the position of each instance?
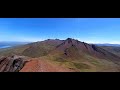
(40, 65)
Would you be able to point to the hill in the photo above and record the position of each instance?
(70, 54)
(112, 49)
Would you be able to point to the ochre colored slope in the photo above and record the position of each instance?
(37, 65)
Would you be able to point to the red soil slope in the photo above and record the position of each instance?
(36, 65)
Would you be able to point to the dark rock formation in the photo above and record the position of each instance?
(12, 63)
(94, 47)
(69, 40)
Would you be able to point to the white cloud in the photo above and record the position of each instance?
(89, 40)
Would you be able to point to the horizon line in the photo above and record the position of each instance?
(89, 42)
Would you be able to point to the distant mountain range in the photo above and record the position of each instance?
(116, 45)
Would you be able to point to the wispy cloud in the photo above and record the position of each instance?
(98, 41)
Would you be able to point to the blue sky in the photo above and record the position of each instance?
(90, 30)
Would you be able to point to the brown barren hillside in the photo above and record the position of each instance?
(40, 65)
(54, 55)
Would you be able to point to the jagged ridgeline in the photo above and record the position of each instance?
(79, 55)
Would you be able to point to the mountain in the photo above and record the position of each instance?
(65, 55)
(35, 49)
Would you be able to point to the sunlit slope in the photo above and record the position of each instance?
(70, 53)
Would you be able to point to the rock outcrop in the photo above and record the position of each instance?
(12, 63)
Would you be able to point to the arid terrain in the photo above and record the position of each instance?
(54, 55)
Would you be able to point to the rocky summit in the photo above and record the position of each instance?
(54, 55)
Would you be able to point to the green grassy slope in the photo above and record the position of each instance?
(71, 54)
(81, 61)
(86, 63)
(115, 50)
(36, 49)
(13, 50)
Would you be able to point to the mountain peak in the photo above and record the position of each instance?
(69, 39)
